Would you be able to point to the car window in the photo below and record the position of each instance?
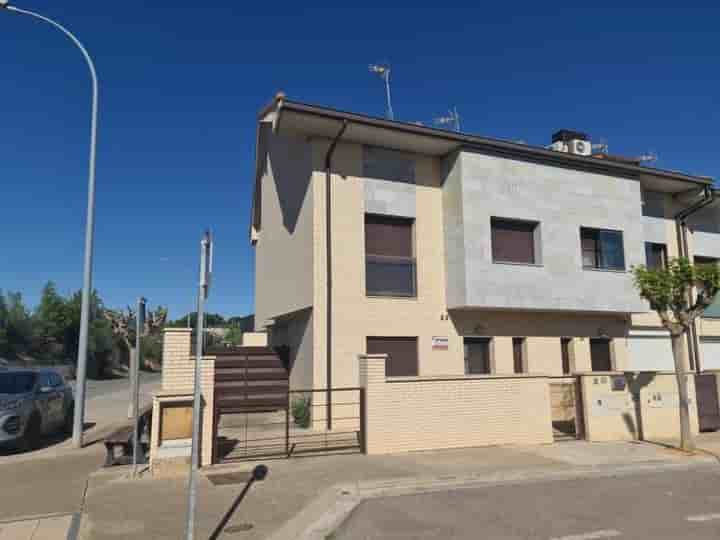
(17, 383)
(56, 380)
(45, 380)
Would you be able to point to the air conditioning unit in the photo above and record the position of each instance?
(579, 147)
(559, 146)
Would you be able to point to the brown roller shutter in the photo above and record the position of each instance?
(402, 354)
(388, 236)
(513, 241)
(600, 355)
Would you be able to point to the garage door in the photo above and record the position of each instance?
(650, 351)
(710, 351)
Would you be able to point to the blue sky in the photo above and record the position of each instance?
(182, 83)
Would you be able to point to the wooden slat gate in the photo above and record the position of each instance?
(256, 415)
(707, 401)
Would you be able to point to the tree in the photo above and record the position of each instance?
(52, 316)
(99, 330)
(3, 324)
(212, 320)
(679, 293)
(122, 323)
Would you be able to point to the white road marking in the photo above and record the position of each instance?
(610, 533)
(703, 517)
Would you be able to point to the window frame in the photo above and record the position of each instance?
(534, 226)
(598, 253)
(663, 255)
(373, 258)
(486, 342)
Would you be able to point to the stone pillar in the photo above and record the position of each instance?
(372, 380)
(619, 354)
(177, 349)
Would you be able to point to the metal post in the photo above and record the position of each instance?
(79, 415)
(391, 114)
(135, 376)
(205, 269)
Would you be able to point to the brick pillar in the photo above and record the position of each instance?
(580, 355)
(177, 349)
(372, 379)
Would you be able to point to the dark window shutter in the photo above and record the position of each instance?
(518, 354)
(600, 355)
(513, 241)
(477, 356)
(565, 351)
(388, 236)
(402, 354)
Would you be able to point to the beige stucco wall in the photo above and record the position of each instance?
(284, 249)
(254, 339)
(611, 415)
(425, 413)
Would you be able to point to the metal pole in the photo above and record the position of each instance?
(391, 115)
(135, 376)
(79, 418)
(194, 455)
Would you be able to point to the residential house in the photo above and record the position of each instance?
(457, 254)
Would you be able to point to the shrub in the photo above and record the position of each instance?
(301, 411)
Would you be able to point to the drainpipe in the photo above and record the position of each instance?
(681, 225)
(328, 268)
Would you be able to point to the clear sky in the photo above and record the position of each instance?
(181, 83)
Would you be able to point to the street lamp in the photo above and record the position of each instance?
(383, 71)
(78, 420)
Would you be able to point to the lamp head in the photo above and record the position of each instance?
(259, 472)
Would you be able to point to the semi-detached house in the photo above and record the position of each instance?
(463, 255)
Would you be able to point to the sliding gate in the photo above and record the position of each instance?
(257, 416)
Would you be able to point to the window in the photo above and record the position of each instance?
(17, 383)
(55, 380)
(602, 249)
(565, 352)
(513, 241)
(600, 354)
(402, 354)
(477, 356)
(655, 255)
(385, 164)
(518, 354)
(389, 261)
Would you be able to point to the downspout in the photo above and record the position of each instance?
(681, 226)
(328, 269)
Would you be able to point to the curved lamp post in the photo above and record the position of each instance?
(79, 412)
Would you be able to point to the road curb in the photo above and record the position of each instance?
(327, 512)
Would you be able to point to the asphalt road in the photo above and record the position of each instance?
(659, 505)
(99, 388)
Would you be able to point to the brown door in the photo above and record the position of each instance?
(600, 355)
(477, 356)
(707, 402)
(402, 354)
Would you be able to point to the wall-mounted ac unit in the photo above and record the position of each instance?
(579, 147)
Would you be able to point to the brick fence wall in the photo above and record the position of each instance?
(427, 413)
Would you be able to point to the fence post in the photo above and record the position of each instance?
(287, 425)
(363, 422)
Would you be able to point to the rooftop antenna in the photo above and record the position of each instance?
(383, 70)
(601, 147)
(650, 157)
(452, 118)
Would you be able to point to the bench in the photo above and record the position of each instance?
(122, 439)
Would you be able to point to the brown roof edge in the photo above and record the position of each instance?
(496, 146)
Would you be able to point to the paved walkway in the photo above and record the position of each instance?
(300, 493)
(54, 527)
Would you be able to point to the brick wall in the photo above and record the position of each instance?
(178, 377)
(427, 413)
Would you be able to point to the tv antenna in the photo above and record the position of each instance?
(452, 119)
(383, 71)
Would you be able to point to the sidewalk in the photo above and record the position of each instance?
(53, 527)
(314, 492)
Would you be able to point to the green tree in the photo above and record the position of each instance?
(18, 324)
(679, 293)
(3, 324)
(212, 320)
(233, 336)
(100, 339)
(52, 316)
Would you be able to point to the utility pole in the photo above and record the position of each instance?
(135, 378)
(206, 255)
(79, 415)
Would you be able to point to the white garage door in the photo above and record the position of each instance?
(650, 351)
(710, 351)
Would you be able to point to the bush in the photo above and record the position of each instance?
(301, 411)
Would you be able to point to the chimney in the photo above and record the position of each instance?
(571, 142)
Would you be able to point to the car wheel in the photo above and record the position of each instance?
(31, 437)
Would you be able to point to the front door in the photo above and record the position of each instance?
(600, 354)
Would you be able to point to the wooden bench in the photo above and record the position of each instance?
(122, 439)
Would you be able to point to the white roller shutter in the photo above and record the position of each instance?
(650, 350)
(710, 353)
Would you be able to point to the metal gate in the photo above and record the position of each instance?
(707, 401)
(257, 416)
(566, 409)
